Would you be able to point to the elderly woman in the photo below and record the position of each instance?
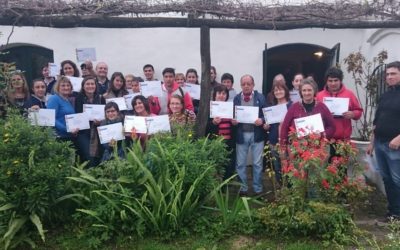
(306, 107)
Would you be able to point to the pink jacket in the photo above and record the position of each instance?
(343, 126)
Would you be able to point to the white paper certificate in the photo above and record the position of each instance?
(157, 124)
(294, 96)
(337, 105)
(54, 69)
(111, 132)
(76, 83)
(137, 122)
(43, 117)
(275, 114)
(120, 101)
(193, 90)
(128, 100)
(151, 88)
(221, 109)
(309, 124)
(77, 121)
(84, 54)
(94, 111)
(246, 114)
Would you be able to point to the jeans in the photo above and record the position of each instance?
(389, 167)
(241, 161)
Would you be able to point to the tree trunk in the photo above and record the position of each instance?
(204, 109)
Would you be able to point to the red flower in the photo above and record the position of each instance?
(325, 184)
(332, 169)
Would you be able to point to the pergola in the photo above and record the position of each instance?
(203, 14)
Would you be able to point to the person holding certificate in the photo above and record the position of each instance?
(141, 108)
(193, 78)
(38, 98)
(179, 116)
(61, 103)
(306, 107)
(280, 93)
(250, 136)
(113, 115)
(87, 140)
(224, 127)
(117, 86)
(335, 88)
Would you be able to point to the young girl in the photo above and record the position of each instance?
(117, 86)
(18, 90)
(223, 127)
(87, 140)
(180, 79)
(192, 77)
(38, 98)
(113, 115)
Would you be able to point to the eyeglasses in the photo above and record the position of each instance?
(111, 111)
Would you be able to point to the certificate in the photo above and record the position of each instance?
(54, 69)
(294, 96)
(156, 124)
(76, 83)
(43, 117)
(309, 124)
(111, 132)
(137, 122)
(120, 101)
(246, 114)
(221, 109)
(151, 88)
(275, 114)
(128, 100)
(84, 54)
(193, 90)
(337, 105)
(77, 121)
(94, 111)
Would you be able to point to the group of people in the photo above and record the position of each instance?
(304, 99)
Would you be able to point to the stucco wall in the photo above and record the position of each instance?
(235, 51)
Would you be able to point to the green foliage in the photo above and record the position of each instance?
(33, 167)
(6, 70)
(156, 192)
(294, 217)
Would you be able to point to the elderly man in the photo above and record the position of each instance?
(386, 139)
(250, 136)
(102, 80)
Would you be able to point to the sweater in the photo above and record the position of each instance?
(297, 110)
(343, 126)
(387, 117)
(62, 107)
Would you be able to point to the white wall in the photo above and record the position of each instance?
(236, 51)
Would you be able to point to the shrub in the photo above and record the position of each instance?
(155, 192)
(33, 167)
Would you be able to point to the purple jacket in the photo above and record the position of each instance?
(297, 110)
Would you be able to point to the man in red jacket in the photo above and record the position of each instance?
(335, 88)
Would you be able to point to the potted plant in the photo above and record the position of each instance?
(366, 78)
(367, 75)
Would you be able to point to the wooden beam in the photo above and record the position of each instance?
(204, 109)
(99, 21)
